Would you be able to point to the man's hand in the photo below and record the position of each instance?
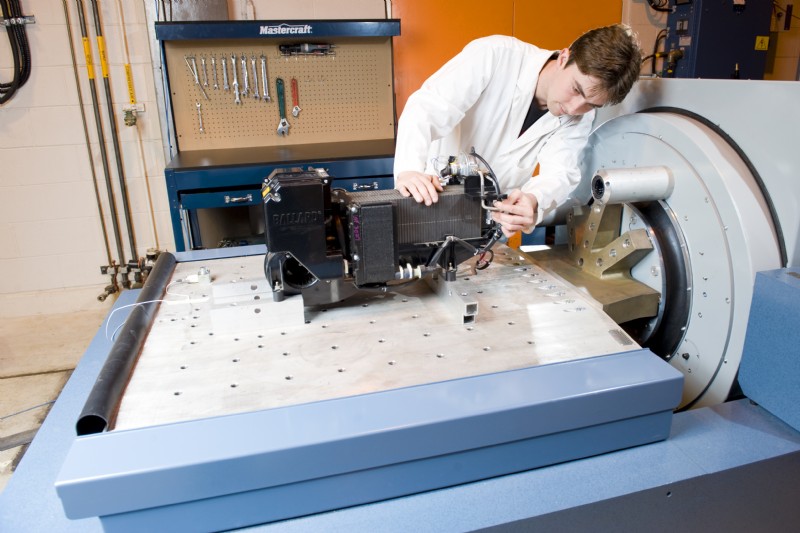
(517, 212)
(421, 186)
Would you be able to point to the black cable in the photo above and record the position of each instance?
(659, 5)
(661, 35)
(491, 175)
(20, 49)
(8, 89)
(22, 39)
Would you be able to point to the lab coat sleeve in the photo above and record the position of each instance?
(440, 104)
(558, 160)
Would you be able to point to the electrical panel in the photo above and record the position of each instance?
(719, 39)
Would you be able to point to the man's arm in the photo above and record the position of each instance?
(435, 110)
(559, 172)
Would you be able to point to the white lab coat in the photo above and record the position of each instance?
(479, 99)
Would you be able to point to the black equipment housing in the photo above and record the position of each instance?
(326, 243)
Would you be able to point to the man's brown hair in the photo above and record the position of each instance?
(612, 55)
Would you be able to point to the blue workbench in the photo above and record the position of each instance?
(731, 467)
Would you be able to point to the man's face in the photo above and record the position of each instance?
(571, 92)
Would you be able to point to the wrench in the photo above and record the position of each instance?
(295, 98)
(225, 85)
(205, 70)
(214, 71)
(235, 80)
(244, 74)
(193, 69)
(255, 77)
(200, 116)
(265, 79)
(283, 125)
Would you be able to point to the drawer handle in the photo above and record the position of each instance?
(238, 199)
(366, 186)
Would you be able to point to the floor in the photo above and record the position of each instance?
(37, 356)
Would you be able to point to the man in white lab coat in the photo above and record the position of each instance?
(518, 106)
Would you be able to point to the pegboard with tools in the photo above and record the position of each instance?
(320, 85)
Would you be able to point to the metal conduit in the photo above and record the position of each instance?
(86, 135)
(101, 136)
(114, 135)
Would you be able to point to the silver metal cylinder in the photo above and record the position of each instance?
(623, 185)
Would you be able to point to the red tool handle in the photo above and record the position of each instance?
(295, 93)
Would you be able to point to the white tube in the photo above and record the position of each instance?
(625, 185)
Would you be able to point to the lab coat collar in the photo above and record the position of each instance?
(523, 96)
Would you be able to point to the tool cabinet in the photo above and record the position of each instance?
(339, 74)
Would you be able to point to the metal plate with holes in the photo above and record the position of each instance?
(225, 347)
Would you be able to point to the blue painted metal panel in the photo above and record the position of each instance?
(225, 198)
(717, 38)
(375, 484)
(222, 456)
(214, 182)
(770, 369)
(271, 29)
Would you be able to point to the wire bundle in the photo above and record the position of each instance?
(20, 49)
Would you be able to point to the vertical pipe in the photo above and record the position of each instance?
(132, 95)
(86, 134)
(101, 136)
(114, 135)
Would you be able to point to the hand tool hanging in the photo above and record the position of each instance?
(15, 22)
(235, 80)
(283, 125)
(101, 50)
(113, 286)
(191, 64)
(264, 79)
(295, 98)
(112, 204)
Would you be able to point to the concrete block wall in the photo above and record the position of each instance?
(646, 22)
(51, 239)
